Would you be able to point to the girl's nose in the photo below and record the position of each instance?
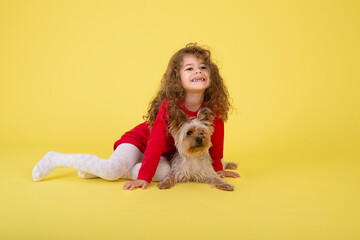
(198, 71)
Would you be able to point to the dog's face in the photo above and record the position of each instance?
(192, 135)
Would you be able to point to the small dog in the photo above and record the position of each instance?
(193, 162)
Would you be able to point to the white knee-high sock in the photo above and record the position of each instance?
(123, 158)
(162, 171)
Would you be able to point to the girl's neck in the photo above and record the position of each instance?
(193, 101)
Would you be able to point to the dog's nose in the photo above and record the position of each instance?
(199, 140)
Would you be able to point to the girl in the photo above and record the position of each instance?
(191, 81)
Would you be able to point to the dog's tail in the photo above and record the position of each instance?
(229, 165)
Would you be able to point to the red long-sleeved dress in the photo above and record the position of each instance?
(158, 142)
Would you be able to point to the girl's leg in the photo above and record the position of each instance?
(123, 158)
(86, 175)
(162, 171)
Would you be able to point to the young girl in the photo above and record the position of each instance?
(191, 81)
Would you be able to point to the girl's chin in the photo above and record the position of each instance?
(196, 90)
(199, 84)
(196, 86)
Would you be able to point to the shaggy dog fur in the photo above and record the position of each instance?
(193, 162)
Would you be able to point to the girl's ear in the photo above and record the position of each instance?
(205, 115)
(179, 119)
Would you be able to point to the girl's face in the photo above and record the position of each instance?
(195, 75)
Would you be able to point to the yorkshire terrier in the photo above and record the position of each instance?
(192, 161)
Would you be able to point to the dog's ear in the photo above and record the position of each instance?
(179, 119)
(205, 115)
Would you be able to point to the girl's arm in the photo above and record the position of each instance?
(217, 140)
(216, 151)
(154, 147)
(153, 151)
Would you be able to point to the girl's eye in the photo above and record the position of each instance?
(189, 69)
(189, 133)
(203, 67)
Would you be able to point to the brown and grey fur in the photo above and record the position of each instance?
(193, 161)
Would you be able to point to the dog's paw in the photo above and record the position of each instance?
(165, 185)
(226, 187)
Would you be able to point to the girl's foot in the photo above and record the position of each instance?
(44, 167)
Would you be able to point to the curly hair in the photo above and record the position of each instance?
(216, 96)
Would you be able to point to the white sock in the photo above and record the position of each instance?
(86, 175)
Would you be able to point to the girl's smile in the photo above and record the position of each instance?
(195, 76)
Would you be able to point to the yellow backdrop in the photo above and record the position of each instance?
(75, 75)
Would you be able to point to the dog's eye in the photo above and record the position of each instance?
(189, 133)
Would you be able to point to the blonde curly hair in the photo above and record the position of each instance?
(216, 96)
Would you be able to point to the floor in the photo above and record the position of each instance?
(291, 201)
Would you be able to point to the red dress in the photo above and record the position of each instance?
(158, 142)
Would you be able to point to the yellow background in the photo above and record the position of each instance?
(75, 75)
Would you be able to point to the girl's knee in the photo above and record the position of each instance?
(165, 168)
(162, 170)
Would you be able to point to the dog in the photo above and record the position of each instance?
(192, 162)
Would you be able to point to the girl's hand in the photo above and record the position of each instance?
(228, 174)
(135, 184)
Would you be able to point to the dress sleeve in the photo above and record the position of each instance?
(155, 145)
(217, 140)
